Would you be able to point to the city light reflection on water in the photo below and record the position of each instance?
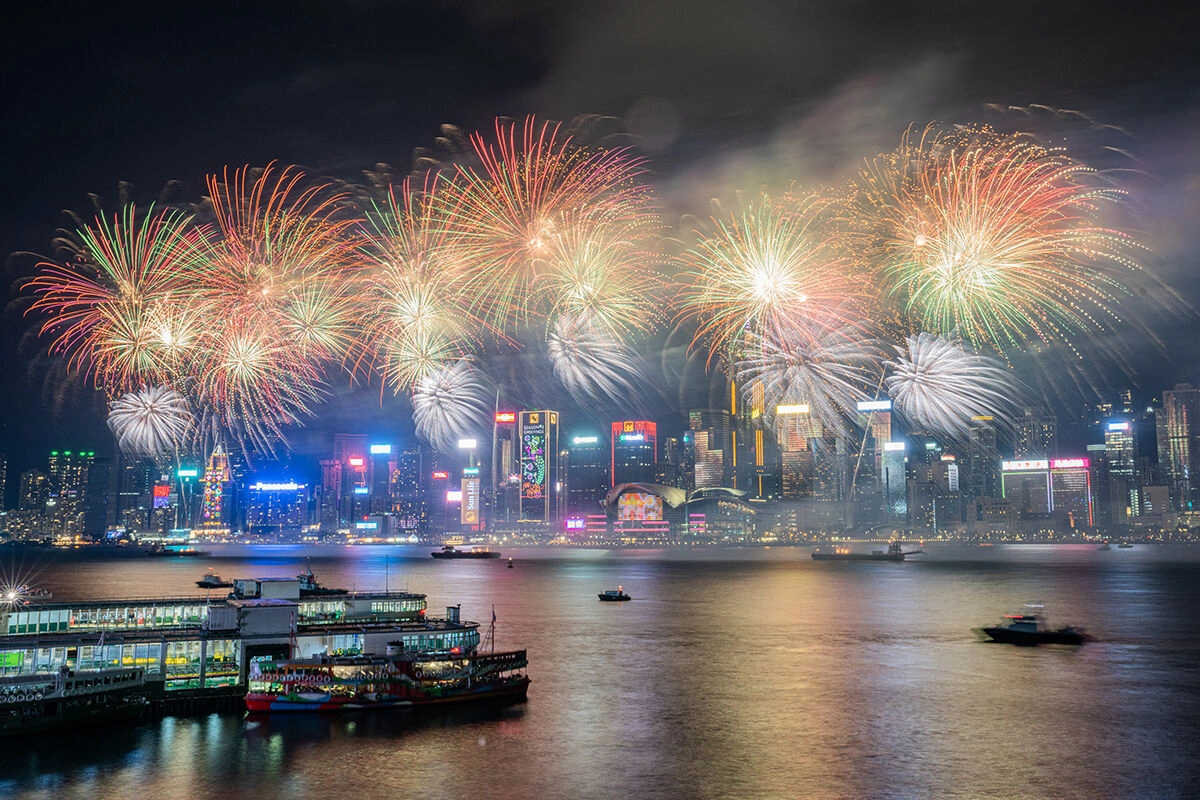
(737, 673)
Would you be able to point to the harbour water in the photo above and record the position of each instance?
(733, 673)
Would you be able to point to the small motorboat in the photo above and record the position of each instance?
(1030, 628)
(1105, 546)
(614, 595)
(212, 580)
(510, 566)
(1125, 546)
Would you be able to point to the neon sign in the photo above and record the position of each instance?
(506, 417)
(1069, 463)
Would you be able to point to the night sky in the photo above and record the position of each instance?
(720, 97)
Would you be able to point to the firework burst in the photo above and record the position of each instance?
(774, 270)
(113, 308)
(415, 315)
(590, 363)
(533, 188)
(939, 384)
(151, 422)
(829, 371)
(449, 403)
(997, 238)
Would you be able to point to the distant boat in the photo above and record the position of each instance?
(895, 552)
(23, 594)
(1105, 546)
(614, 595)
(182, 552)
(1030, 628)
(1124, 546)
(309, 587)
(450, 551)
(212, 580)
(510, 566)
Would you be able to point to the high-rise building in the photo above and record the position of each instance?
(1120, 447)
(276, 508)
(380, 464)
(866, 471)
(1036, 435)
(410, 491)
(982, 463)
(3, 482)
(214, 513)
(712, 436)
(539, 466)
(1026, 485)
(68, 475)
(798, 431)
(634, 452)
(1071, 491)
(1178, 425)
(504, 495)
(588, 470)
(34, 490)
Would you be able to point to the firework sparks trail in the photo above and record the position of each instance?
(775, 269)
(277, 292)
(153, 421)
(449, 404)
(590, 363)
(534, 186)
(113, 310)
(415, 316)
(939, 384)
(997, 238)
(829, 371)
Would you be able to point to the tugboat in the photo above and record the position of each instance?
(450, 551)
(895, 552)
(212, 580)
(309, 587)
(1030, 628)
(614, 595)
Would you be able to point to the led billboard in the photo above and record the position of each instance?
(639, 507)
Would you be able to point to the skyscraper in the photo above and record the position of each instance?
(1036, 435)
(982, 467)
(539, 466)
(588, 468)
(634, 451)
(1178, 425)
(68, 486)
(1120, 447)
(712, 436)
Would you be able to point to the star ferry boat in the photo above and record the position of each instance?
(396, 679)
(358, 649)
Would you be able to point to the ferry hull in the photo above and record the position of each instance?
(258, 702)
(1006, 635)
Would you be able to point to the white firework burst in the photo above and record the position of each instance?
(829, 370)
(939, 384)
(449, 403)
(591, 363)
(150, 422)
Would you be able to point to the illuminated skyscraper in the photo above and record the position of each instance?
(539, 466)
(1178, 423)
(1036, 435)
(982, 467)
(712, 437)
(68, 487)
(216, 477)
(1120, 447)
(634, 451)
(588, 469)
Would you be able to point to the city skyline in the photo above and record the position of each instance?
(685, 174)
